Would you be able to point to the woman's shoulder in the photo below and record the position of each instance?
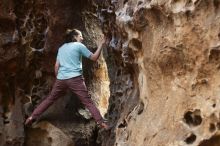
(79, 44)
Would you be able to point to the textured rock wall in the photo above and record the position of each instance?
(158, 79)
(30, 35)
(167, 52)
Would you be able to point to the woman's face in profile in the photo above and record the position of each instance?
(79, 37)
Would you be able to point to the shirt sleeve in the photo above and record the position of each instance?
(85, 51)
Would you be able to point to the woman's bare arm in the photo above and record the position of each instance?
(56, 67)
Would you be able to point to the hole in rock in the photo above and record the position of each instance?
(213, 141)
(216, 3)
(123, 124)
(214, 105)
(50, 139)
(136, 44)
(125, 1)
(119, 72)
(23, 33)
(212, 127)
(214, 54)
(188, 13)
(190, 139)
(6, 122)
(141, 108)
(193, 118)
(31, 16)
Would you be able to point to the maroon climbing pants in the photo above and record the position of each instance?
(76, 85)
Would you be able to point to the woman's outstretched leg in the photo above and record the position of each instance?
(58, 90)
(77, 85)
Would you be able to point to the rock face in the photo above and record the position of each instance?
(167, 72)
(30, 34)
(158, 79)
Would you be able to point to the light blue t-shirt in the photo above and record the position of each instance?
(70, 59)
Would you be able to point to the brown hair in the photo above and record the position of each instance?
(70, 34)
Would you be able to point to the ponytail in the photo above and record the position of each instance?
(70, 35)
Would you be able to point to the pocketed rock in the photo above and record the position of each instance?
(157, 81)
